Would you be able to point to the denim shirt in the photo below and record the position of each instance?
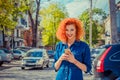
(67, 70)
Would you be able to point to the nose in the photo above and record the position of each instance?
(69, 32)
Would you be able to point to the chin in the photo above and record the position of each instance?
(70, 38)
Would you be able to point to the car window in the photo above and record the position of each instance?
(50, 52)
(1, 51)
(98, 51)
(6, 51)
(115, 56)
(16, 51)
(34, 54)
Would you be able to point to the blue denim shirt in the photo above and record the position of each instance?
(67, 70)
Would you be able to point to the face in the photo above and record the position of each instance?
(70, 31)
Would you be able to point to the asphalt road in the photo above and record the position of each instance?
(12, 71)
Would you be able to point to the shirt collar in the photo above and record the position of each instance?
(76, 43)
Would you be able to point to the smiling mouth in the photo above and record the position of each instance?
(69, 35)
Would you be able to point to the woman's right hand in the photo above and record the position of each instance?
(63, 57)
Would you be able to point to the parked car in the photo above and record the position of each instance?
(50, 53)
(17, 54)
(25, 49)
(107, 64)
(95, 52)
(7, 52)
(4, 57)
(35, 58)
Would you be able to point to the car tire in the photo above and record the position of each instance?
(20, 57)
(22, 68)
(1, 62)
(9, 61)
(47, 65)
(42, 67)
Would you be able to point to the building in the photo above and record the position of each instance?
(108, 30)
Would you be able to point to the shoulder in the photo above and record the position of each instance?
(59, 45)
(81, 43)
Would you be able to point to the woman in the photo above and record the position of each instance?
(72, 55)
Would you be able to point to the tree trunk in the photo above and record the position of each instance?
(3, 37)
(34, 25)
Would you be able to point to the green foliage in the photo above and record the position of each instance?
(9, 12)
(50, 19)
(97, 24)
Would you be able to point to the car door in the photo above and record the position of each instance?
(115, 59)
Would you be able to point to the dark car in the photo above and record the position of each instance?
(107, 63)
(96, 52)
(50, 53)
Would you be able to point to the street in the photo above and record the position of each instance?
(12, 71)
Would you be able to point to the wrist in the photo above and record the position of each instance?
(75, 61)
(60, 59)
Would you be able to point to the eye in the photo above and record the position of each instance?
(66, 30)
(72, 29)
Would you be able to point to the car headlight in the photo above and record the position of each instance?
(39, 61)
(23, 61)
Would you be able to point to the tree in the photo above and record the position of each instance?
(9, 12)
(51, 17)
(34, 7)
(97, 24)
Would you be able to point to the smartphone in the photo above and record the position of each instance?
(67, 51)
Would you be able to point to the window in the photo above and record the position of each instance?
(23, 22)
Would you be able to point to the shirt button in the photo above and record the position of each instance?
(65, 78)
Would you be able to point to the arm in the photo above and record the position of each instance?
(76, 62)
(57, 64)
(80, 65)
(86, 65)
(59, 61)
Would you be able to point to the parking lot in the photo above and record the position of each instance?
(12, 71)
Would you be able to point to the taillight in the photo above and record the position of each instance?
(100, 63)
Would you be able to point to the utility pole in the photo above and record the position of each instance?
(114, 34)
(90, 30)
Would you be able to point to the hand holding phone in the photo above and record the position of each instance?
(67, 51)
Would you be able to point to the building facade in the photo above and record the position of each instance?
(108, 30)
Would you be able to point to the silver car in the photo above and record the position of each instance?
(17, 54)
(35, 58)
(4, 57)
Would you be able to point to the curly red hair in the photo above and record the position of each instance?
(60, 34)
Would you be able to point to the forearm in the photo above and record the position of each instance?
(80, 65)
(57, 64)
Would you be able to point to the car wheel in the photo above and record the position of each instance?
(20, 57)
(1, 63)
(42, 67)
(22, 68)
(47, 65)
(9, 61)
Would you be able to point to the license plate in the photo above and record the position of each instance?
(30, 63)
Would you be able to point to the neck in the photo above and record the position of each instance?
(70, 42)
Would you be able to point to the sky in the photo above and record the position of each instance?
(76, 7)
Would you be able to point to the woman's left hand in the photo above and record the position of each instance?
(71, 58)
